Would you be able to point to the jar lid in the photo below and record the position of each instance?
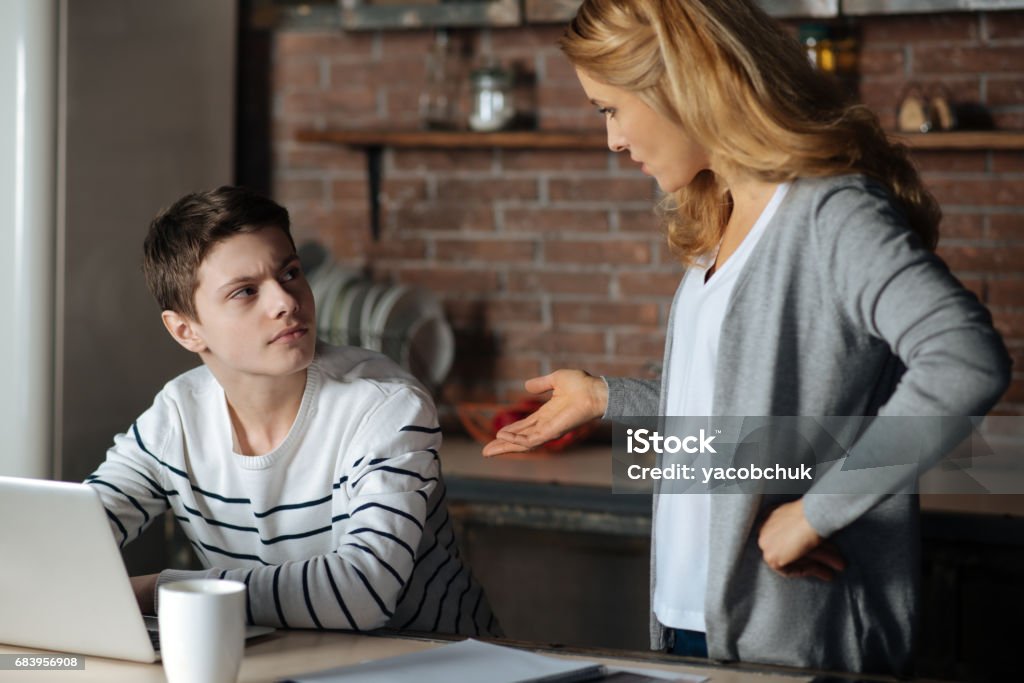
(491, 77)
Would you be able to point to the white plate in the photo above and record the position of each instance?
(366, 335)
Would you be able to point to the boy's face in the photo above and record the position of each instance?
(255, 309)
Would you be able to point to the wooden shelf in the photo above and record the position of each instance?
(458, 139)
(563, 139)
(965, 140)
(375, 141)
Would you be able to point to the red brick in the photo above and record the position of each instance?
(492, 313)
(1005, 91)
(558, 69)
(335, 103)
(1008, 162)
(929, 161)
(449, 279)
(555, 220)
(641, 368)
(977, 192)
(1006, 292)
(563, 96)
(352, 45)
(958, 59)
(290, 190)
(987, 259)
(559, 282)
(581, 313)
(918, 28)
(639, 221)
(1006, 226)
(528, 40)
(1015, 394)
(1004, 25)
(1009, 322)
(486, 189)
(549, 160)
(882, 94)
(552, 341)
(321, 157)
(962, 226)
(399, 191)
(389, 248)
(436, 161)
(291, 75)
(602, 189)
(562, 119)
(416, 43)
(409, 70)
(402, 104)
(1008, 120)
(644, 344)
(649, 284)
(444, 216)
(350, 190)
(598, 253)
(499, 251)
(882, 60)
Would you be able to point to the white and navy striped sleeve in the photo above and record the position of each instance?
(390, 471)
(129, 481)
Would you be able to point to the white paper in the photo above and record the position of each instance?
(469, 661)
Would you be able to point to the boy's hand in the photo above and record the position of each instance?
(792, 547)
(576, 397)
(145, 590)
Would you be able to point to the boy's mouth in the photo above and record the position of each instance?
(290, 334)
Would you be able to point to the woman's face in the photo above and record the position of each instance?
(661, 146)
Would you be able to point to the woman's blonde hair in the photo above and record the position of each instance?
(735, 80)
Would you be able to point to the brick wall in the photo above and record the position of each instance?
(553, 259)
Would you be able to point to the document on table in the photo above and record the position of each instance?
(471, 661)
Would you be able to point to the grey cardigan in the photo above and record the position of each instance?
(839, 311)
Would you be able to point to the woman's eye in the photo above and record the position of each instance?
(606, 111)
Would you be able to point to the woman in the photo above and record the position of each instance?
(811, 289)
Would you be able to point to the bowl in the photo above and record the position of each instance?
(484, 420)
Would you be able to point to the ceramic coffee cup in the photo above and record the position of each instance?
(202, 630)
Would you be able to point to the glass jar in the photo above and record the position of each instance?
(492, 108)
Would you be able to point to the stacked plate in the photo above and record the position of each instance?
(404, 323)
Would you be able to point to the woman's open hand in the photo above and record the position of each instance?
(576, 398)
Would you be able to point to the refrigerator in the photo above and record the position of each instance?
(119, 108)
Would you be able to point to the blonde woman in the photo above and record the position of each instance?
(811, 288)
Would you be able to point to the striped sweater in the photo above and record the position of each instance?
(343, 526)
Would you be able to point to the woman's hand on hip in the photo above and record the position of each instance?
(576, 397)
(792, 547)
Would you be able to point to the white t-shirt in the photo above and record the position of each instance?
(682, 523)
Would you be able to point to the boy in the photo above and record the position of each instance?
(308, 472)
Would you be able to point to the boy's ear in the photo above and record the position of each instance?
(183, 331)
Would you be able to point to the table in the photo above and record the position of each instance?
(293, 652)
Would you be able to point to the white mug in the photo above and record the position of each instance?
(202, 630)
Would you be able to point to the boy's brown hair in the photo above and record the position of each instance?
(182, 235)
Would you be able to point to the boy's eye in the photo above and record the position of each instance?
(244, 292)
(291, 273)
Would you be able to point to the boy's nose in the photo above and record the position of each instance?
(282, 301)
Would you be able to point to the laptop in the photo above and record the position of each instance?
(63, 584)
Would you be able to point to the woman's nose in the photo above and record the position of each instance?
(616, 142)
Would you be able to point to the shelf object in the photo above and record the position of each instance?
(865, 7)
(361, 16)
(374, 142)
